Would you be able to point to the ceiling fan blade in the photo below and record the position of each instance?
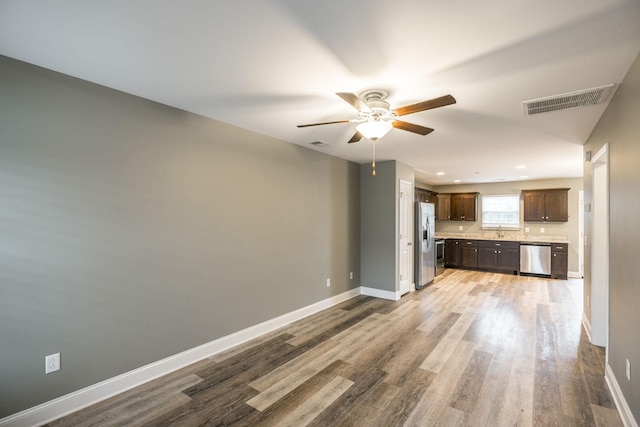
(410, 127)
(324, 123)
(354, 101)
(355, 138)
(425, 105)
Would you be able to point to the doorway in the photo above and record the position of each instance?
(600, 249)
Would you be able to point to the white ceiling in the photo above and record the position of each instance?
(268, 65)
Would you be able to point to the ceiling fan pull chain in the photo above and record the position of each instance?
(373, 162)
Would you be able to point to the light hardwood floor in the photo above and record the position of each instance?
(473, 349)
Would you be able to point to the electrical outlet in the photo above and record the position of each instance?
(460, 228)
(328, 282)
(52, 363)
(541, 229)
(351, 275)
(526, 229)
(628, 370)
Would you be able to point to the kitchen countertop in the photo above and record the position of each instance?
(508, 237)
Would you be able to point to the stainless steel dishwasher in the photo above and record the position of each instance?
(535, 258)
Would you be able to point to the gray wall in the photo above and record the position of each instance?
(569, 229)
(380, 197)
(132, 231)
(378, 232)
(620, 127)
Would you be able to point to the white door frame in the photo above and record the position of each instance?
(405, 237)
(600, 249)
(581, 239)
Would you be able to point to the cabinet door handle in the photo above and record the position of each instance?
(555, 254)
(499, 252)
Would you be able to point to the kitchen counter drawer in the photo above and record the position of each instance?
(559, 247)
(498, 244)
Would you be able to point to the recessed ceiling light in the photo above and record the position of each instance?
(456, 180)
(439, 173)
(520, 167)
(524, 176)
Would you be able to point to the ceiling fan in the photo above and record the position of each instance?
(375, 118)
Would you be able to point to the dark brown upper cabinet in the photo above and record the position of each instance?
(548, 205)
(464, 206)
(443, 207)
(456, 206)
(426, 196)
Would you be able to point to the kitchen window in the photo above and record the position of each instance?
(501, 211)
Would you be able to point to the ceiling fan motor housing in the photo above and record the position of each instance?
(375, 100)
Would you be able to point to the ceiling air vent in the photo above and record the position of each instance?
(566, 101)
(319, 144)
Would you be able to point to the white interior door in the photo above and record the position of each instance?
(405, 252)
(600, 250)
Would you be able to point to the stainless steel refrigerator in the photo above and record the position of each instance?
(425, 257)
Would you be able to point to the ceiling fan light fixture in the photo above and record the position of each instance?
(374, 129)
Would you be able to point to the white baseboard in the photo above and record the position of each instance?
(621, 403)
(586, 325)
(379, 293)
(93, 394)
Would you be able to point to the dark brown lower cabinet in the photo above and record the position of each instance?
(469, 253)
(559, 260)
(452, 253)
(499, 256)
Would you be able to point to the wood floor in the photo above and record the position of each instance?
(473, 349)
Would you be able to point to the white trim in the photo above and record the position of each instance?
(600, 251)
(601, 152)
(618, 398)
(379, 293)
(586, 325)
(581, 234)
(574, 275)
(95, 393)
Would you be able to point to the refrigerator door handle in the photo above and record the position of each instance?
(427, 232)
